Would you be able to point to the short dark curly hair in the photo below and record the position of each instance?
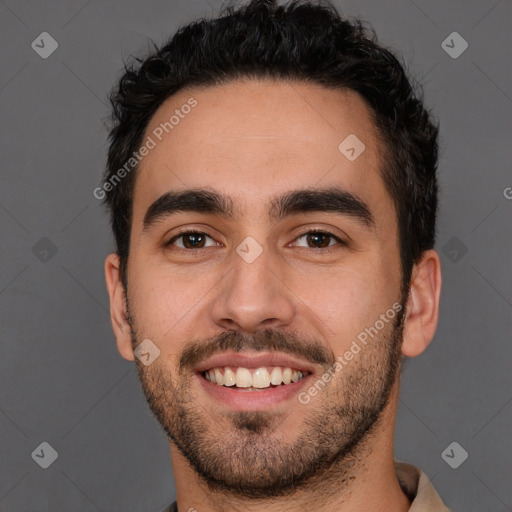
(302, 41)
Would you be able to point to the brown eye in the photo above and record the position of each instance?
(190, 240)
(319, 240)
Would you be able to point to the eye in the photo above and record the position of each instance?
(191, 240)
(313, 240)
(319, 240)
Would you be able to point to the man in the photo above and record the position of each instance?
(272, 186)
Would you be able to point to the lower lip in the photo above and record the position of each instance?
(244, 399)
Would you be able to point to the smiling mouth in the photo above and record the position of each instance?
(253, 379)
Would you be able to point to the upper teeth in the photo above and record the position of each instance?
(256, 378)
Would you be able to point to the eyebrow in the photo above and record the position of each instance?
(210, 201)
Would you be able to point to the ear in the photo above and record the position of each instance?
(118, 313)
(422, 311)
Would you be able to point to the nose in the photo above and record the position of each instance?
(253, 297)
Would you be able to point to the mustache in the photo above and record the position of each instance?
(268, 340)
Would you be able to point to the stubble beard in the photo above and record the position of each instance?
(246, 455)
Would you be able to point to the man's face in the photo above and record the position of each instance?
(266, 284)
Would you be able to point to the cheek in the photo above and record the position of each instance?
(347, 301)
(164, 302)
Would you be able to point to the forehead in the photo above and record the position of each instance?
(252, 139)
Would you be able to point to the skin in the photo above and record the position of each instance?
(252, 140)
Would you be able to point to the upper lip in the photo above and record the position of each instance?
(254, 360)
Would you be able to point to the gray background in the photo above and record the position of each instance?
(61, 378)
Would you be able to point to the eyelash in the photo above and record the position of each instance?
(327, 249)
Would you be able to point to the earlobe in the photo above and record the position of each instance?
(422, 305)
(120, 324)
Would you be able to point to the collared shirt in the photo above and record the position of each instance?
(415, 485)
(418, 488)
